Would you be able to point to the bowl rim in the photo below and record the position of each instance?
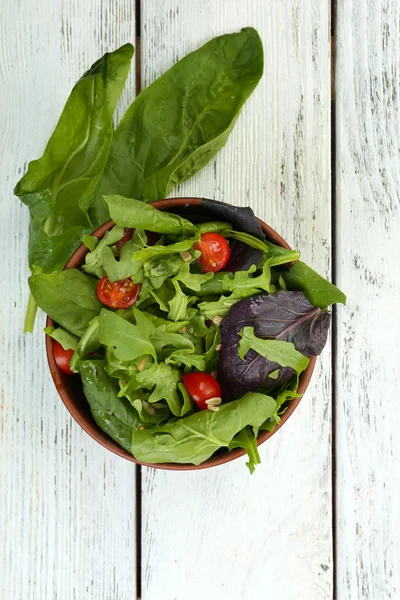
(91, 427)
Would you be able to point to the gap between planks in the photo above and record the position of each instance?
(334, 278)
(138, 480)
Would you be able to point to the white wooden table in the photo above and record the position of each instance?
(320, 518)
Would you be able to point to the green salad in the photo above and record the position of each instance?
(189, 330)
(189, 337)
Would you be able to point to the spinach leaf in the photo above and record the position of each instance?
(114, 415)
(281, 353)
(196, 437)
(284, 316)
(127, 212)
(63, 337)
(69, 297)
(58, 187)
(316, 289)
(248, 440)
(177, 124)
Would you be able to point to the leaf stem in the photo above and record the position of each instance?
(30, 315)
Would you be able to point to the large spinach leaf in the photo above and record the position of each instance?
(318, 290)
(58, 187)
(114, 415)
(127, 212)
(68, 297)
(285, 316)
(177, 124)
(193, 439)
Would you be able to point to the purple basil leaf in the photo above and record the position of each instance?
(285, 316)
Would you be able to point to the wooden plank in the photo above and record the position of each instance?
(67, 506)
(368, 244)
(221, 533)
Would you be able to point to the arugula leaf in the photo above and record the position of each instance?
(88, 343)
(163, 296)
(93, 260)
(287, 394)
(147, 412)
(162, 337)
(242, 283)
(187, 358)
(193, 281)
(179, 303)
(316, 289)
(274, 255)
(90, 241)
(221, 227)
(63, 337)
(248, 440)
(69, 297)
(177, 124)
(163, 380)
(58, 187)
(162, 251)
(129, 341)
(127, 212)
(158, 269)
(282, 353)
(219, 307)
(196, 437)
(114, 415)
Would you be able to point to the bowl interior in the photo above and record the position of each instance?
(70, 387)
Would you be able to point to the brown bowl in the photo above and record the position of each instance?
(70, 387)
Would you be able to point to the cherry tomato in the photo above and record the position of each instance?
(120, 294)
(215, 252)
(128, 234)
(152, 238)
(201, 387)
(62, 357)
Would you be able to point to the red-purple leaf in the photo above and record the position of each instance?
(285, 316)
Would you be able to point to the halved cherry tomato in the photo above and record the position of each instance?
(152, 238)
(128, 234)
(215, 252)
(62, 357)
(201, 387)
(120, 294)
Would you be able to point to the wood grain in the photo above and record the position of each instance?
(221, 533)
(368, 246)
(67, 506)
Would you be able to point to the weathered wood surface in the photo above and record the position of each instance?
(368, 332)
(67, 506)
(222, 533)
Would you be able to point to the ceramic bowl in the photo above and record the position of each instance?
(70, 390)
